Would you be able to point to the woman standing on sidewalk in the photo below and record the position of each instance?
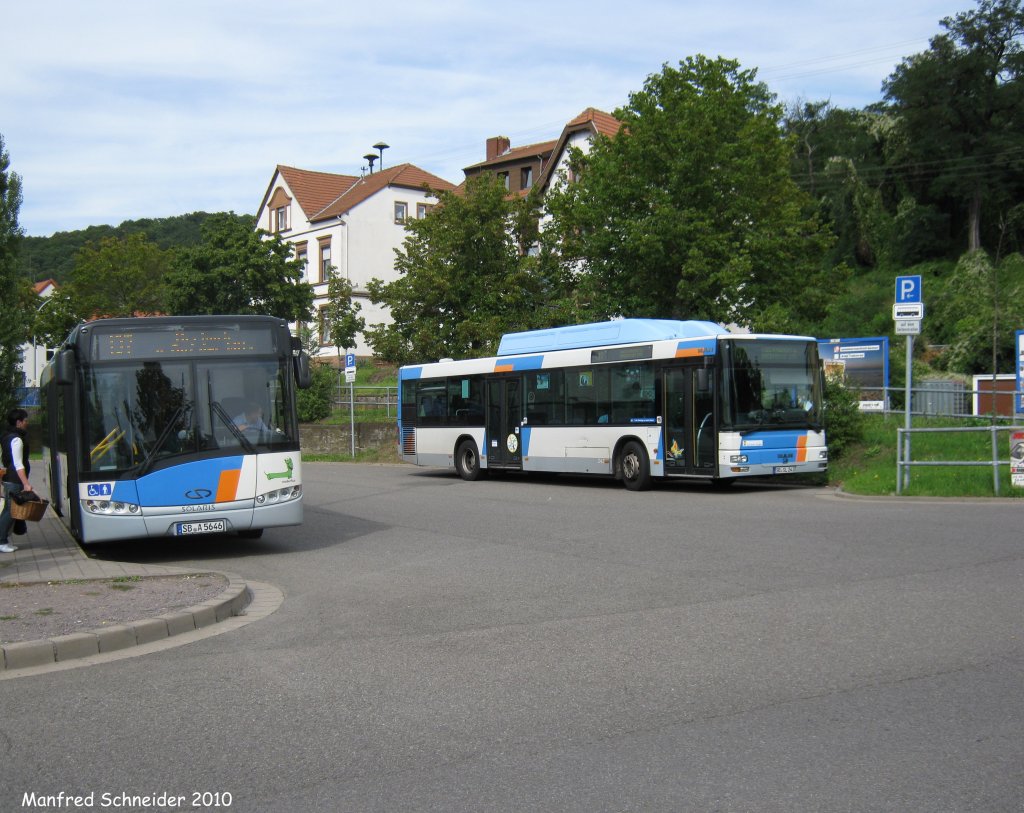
(14, 450)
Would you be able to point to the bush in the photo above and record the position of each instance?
(844, 422)
(314, 404)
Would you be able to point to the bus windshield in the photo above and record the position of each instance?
(770, 383)
(136, 414)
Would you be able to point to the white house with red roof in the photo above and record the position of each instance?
(538, 165)
(33, 355)
(349, 223)
(580, 132)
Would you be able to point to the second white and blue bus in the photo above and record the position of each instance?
(145, 431)
(637, 399)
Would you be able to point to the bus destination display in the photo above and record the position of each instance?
(159, 344)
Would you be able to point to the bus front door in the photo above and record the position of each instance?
(504, 423)
(690, 440)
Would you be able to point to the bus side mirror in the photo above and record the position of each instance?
(303, 378)
(65, 367)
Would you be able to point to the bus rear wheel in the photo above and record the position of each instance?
(636, 470)
(467, 461)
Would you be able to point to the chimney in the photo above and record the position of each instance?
(497, 146)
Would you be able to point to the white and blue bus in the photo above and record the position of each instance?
(637, 399)
(171, 426)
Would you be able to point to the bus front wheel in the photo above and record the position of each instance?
(467, 461)
(636, 470)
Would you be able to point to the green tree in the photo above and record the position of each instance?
(53, 257)
(238, 269)
(342, 322)
(464, 278)
(314, 402)
(839, 160)
(982, 306)
(55, 317)
(13, 324)
(691, 211)
(118, 277)
(960, 109)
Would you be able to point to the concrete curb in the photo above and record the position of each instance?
(24, 654)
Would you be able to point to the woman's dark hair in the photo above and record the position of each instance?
(15, 415)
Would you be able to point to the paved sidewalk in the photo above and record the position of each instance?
(50, 554)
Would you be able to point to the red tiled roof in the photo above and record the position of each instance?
(597, 121)
(314, 190)
(513, 154)
(405, 176)
(604, 123)
(44, 284)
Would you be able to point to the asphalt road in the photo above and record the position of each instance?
(565, 645)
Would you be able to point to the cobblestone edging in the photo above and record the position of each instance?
(22, 654)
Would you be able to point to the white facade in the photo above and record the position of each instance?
(351, 224)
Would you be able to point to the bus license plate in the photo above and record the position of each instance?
(212, 526)
(784, 470)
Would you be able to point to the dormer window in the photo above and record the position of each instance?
(280, 206)
(281, 219)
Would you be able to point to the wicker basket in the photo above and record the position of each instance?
(32, 511)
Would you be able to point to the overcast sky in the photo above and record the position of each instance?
(121, 110)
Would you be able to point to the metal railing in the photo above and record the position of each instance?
(904, 460)
(366, 397)
(946, 399)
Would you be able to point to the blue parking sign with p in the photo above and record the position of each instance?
(908, 289)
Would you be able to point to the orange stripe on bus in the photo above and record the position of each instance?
(689, 352)
(227, 486)
(801, 449)
(504, 368)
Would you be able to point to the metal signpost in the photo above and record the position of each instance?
(350, 377)
(907, 313)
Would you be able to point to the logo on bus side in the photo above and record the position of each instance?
(289, 467)
(198, 493)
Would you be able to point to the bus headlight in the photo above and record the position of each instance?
(738, 458)
(110, 507)
(281, 495)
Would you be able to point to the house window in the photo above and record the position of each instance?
(325, 261)
(302, 255)
(503, 177)
(281, 218)
(422, 210)
(321, 319)
(526, 177)
(401, 211)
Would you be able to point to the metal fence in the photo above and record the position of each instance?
(952, 399)
(904, 460)
(365, 398)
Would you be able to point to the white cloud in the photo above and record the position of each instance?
(131, 110)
